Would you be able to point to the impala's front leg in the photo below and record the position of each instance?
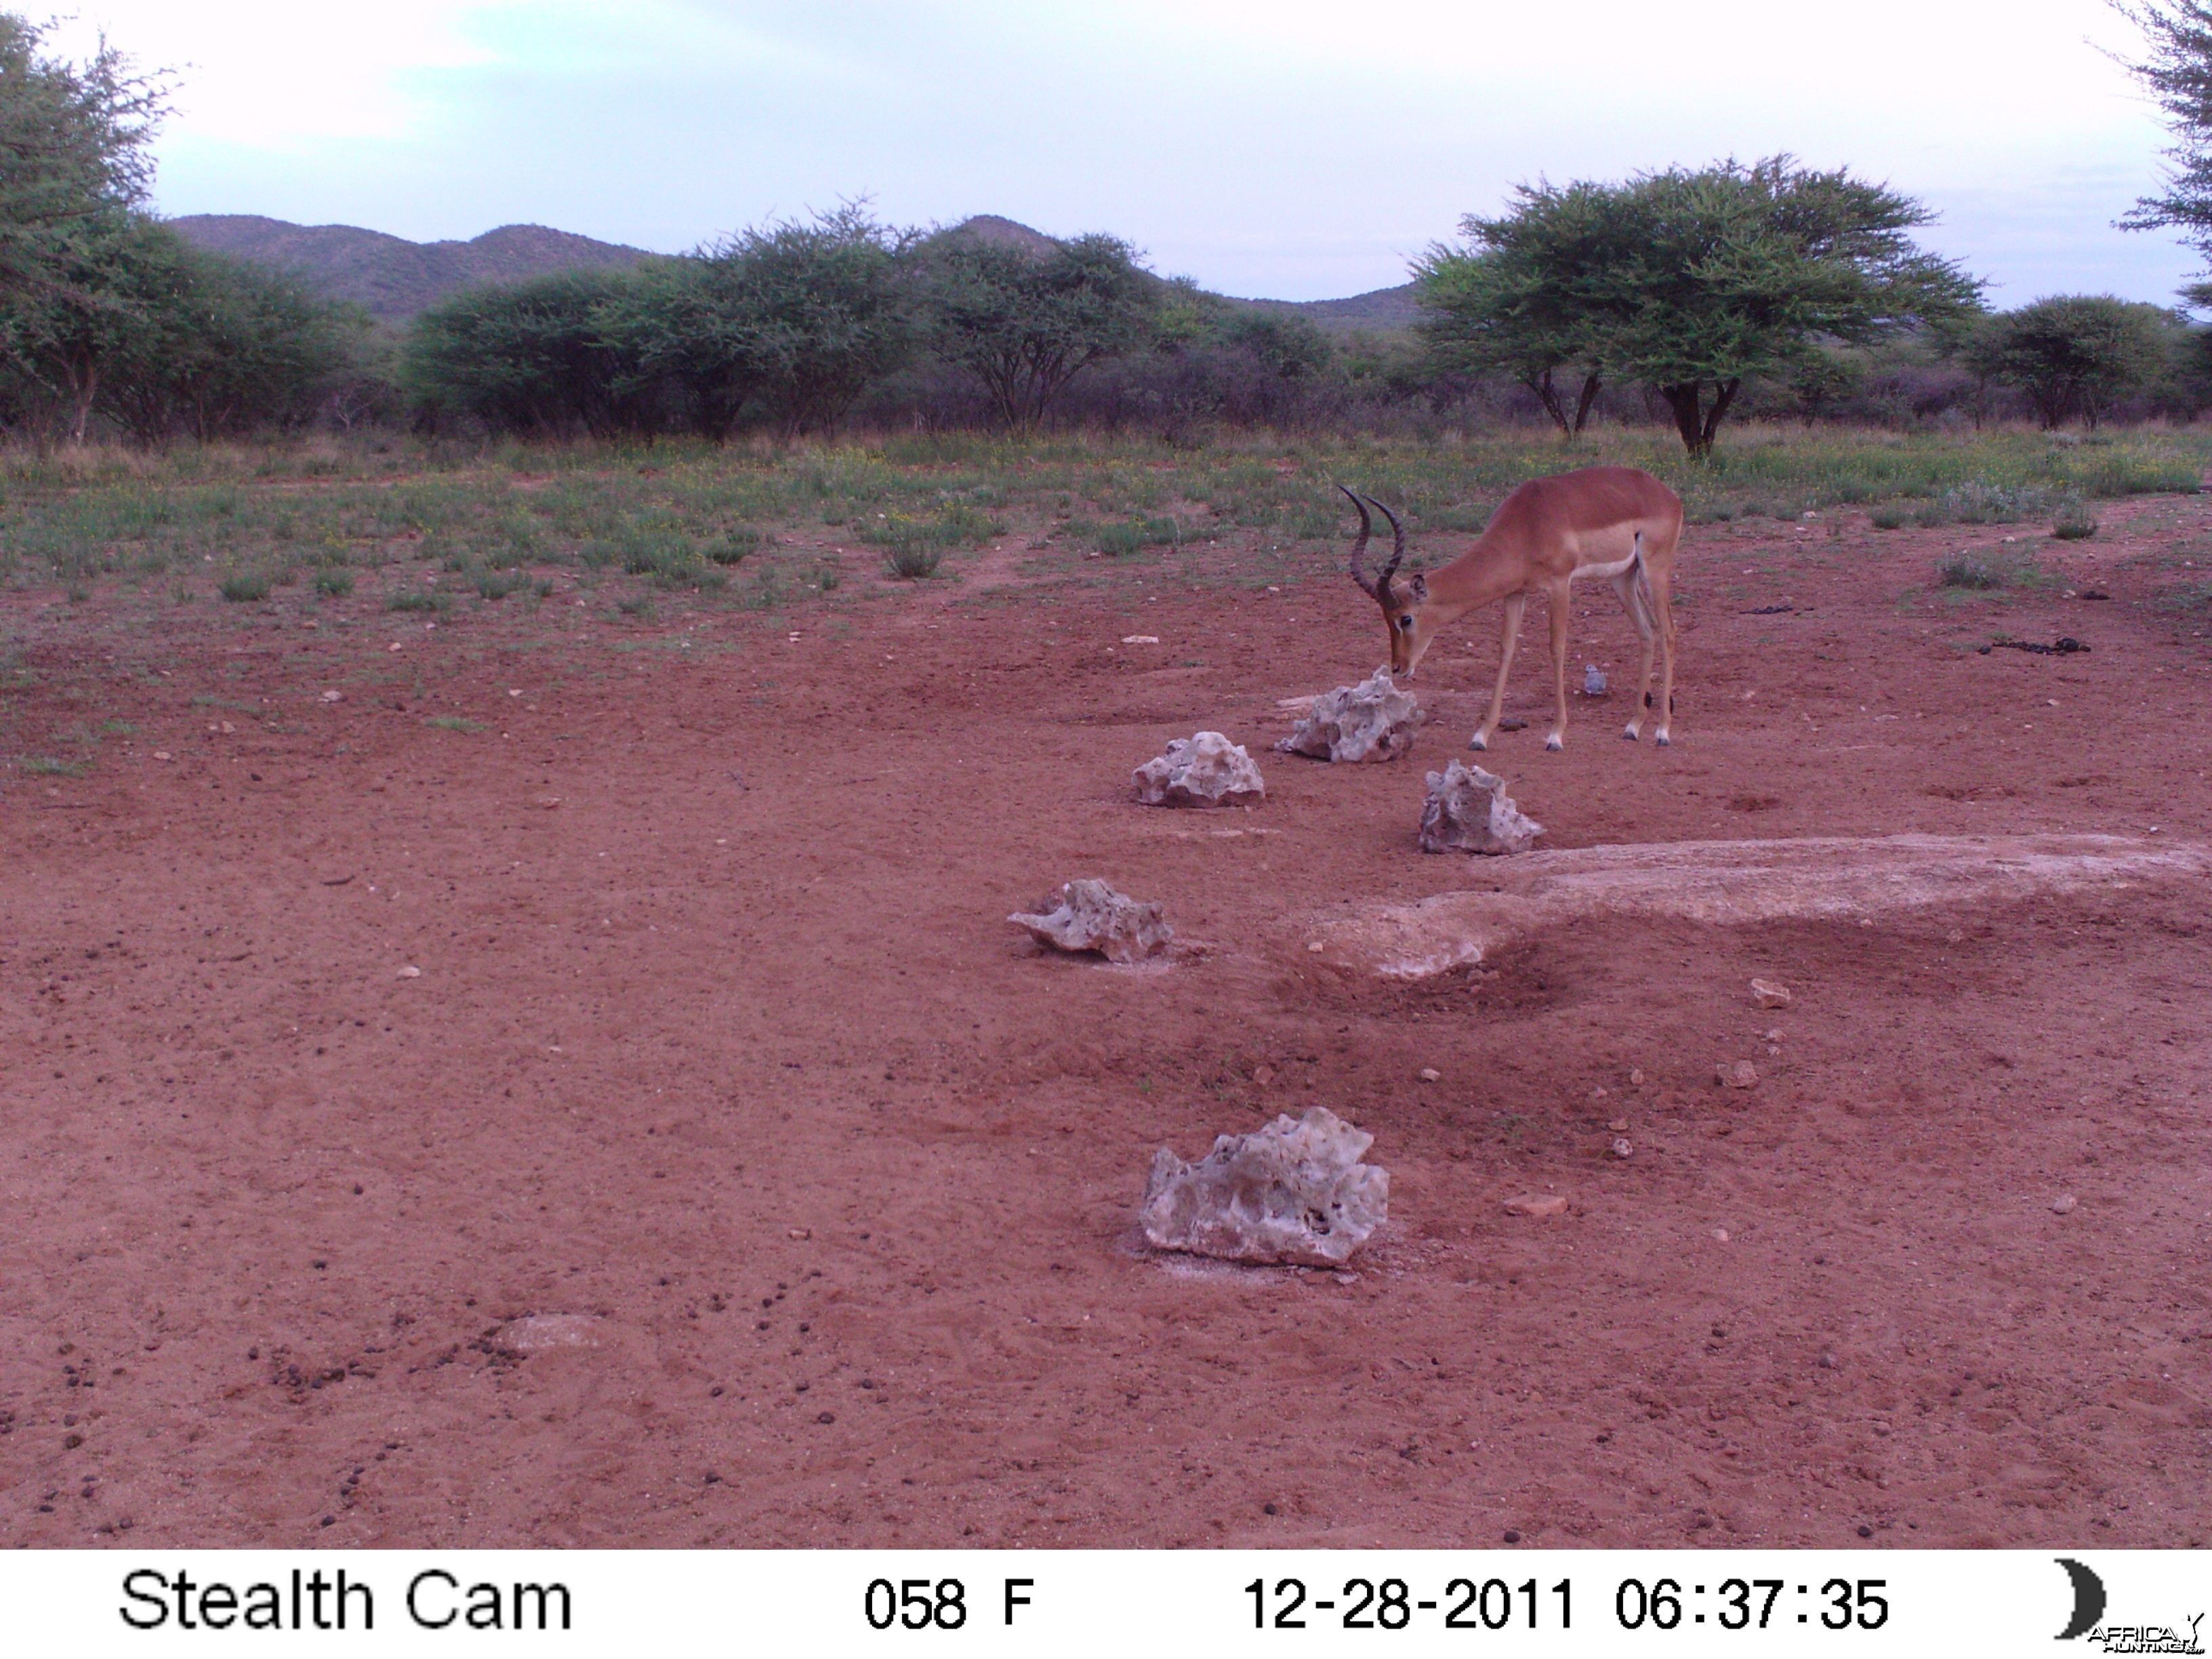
(1511, 609)
(1560, 617)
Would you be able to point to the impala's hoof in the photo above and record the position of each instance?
(1661, 739)
(1630, 735)
(1555, 742)
(1478, 741)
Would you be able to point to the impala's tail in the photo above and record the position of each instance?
(1644, 607)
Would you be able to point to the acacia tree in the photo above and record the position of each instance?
(1025, 323)
(74, 139)
(1693, 282)
(1514, 300)
(533, 357)
(2074, 354)
(2178, 73)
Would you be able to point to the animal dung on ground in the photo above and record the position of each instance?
(1770, 994)
(1204, 770)
(1088, 915)
(1291, 1192)
(1373, 720)
(1469, 812)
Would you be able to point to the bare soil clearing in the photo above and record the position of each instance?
(730, 1173)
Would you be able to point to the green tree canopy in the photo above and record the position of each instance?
(533, 357)
(1691, 283)
(785, 324)
(2075, 355)
(74, 142)
(2177, 71)
(1025, 323)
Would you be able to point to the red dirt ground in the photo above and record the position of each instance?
(732, 1052)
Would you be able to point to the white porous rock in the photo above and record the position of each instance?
(1088, 915)
(1469, 812)
(1373, 720)
(1204, 770)
(1293, 1192)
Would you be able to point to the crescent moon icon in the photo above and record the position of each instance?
(2088, 1599)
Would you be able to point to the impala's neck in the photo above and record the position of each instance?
(1482, 575)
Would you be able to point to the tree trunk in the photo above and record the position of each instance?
(1583, 404)
(1548, 395)
(1699, 425)
(1683, 400)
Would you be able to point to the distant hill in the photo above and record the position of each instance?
(393, 277)
(1379, 308)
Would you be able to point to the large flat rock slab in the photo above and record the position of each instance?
(1731, 883)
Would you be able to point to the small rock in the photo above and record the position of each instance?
(536, 1333)
(1636, 1079)
(1468, 810)
(333, 696)
(1088, 915)
(549, 802)
(1593, 681)
(1263, 1075)
(1619, 1126)
(1720, 1235)
(394, 646)
(1430, 1074)
(1770, 994)
(1624, 1148)
(1141, 639)
(1537, 1204)
(1204, 770)
(163, 754)
(410, 972)
(1294, 1191)
(1828, 1361)
(2063, 1206)
(1372, 720)
(1742, 1075)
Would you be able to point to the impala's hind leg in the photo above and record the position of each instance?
(1562, 618)
(1662, 610)
(1635, 600)
(1514, 603)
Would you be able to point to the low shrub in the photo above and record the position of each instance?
(245, 588)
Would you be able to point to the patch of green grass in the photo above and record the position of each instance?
(457, 723)
(914, 561)
(418, 600)
(1120, 540)
(46, 766)
(733, 546)
(637, 605)
(1886, 518)
(332, 583)
(1966, 571)
(498, 584)
(245, 588)
(2073, 526)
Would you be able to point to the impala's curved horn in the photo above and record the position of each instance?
(1397, 552)
(1359, 545)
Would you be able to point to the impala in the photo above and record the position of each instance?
(1611, 522)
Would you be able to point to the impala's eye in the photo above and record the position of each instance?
(1404, 622)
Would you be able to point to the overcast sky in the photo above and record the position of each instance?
(1280, 148)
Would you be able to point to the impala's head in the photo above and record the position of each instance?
(1402, 602)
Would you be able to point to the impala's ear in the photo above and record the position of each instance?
(1420, 587)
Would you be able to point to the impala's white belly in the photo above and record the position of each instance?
(1582, 572)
